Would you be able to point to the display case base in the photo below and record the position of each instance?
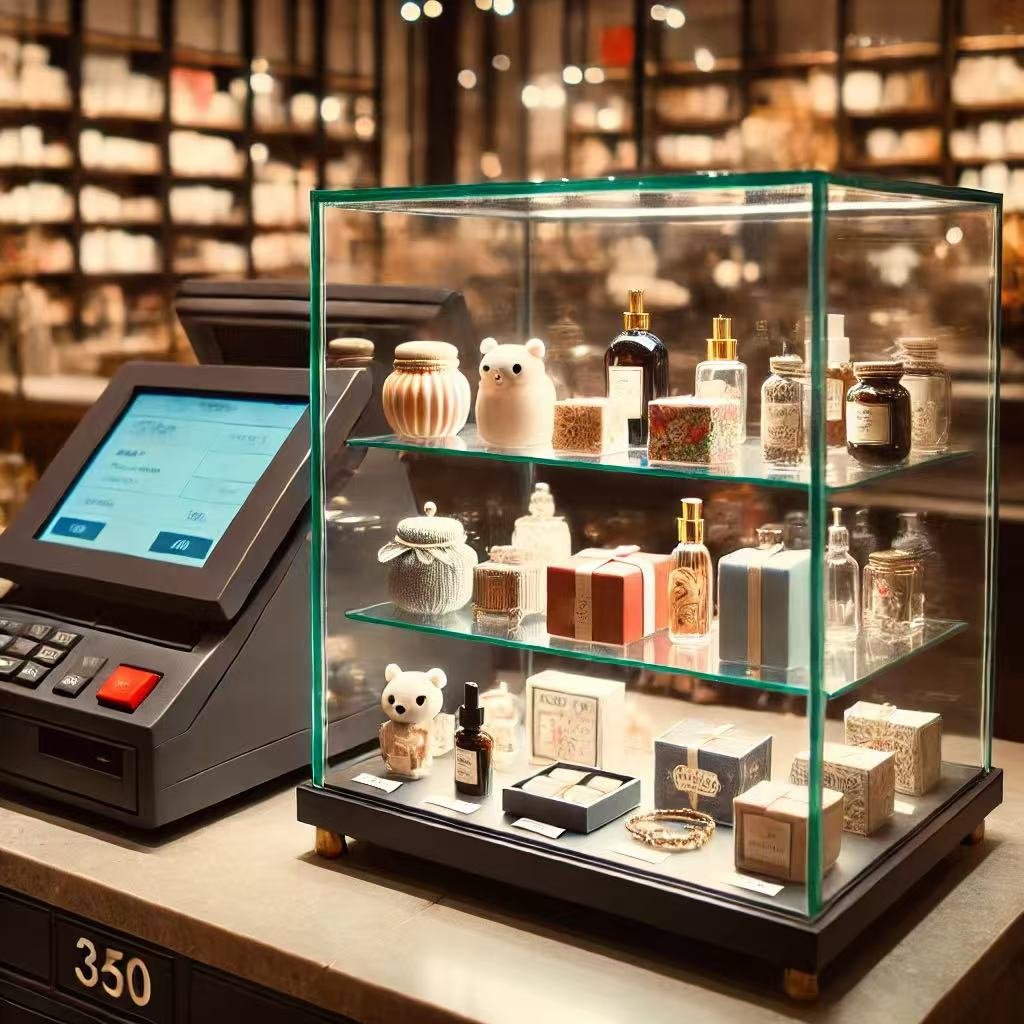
(797, 944)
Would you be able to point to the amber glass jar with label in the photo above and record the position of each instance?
(878, 414)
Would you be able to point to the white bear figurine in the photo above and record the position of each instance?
(515, 404)
(411, 700)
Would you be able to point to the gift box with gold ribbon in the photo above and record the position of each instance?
(703, 766)
(608, 595)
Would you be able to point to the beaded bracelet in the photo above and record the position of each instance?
(648, 829)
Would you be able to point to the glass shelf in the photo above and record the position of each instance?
(847, 666)
(842, 472)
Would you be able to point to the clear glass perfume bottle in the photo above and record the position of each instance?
(690, 598)
(863, 539)
(722, 375)
(914, 537)
(842, 584)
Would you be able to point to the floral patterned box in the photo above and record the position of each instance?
(915, 737)
(696, 431)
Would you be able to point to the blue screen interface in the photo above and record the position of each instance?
(172, 474)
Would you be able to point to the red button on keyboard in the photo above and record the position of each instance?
(126, 687)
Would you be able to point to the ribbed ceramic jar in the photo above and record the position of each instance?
(426, 397)
(430, 565)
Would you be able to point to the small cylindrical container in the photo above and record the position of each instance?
(878, 414)
(426, 397)
(930, 388)
(785, 408)
(508, 587)
(893, 594)
(430, 565)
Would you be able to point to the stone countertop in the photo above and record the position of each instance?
(384, 938)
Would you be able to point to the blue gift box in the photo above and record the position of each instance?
(764, 607)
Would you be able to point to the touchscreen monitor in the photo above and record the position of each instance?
(168, 479)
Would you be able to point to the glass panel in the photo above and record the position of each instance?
(510, 265)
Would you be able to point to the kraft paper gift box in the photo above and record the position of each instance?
(575, 718)
(915, 737)
(608, 595)
(764, 607)
(771, 830)
(865, 777)
(702, 766)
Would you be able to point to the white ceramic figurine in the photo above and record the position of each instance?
(411, 700)
(515, 404)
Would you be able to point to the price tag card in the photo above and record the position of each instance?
(758, 885)
(529, 825)
(451, 804)
(376, 782)
(902, 807)
(634, 851)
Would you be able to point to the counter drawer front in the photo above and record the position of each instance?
(213, 999)
(24, 937)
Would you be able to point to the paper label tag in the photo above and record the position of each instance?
(867, 424)
(376, 782)
(467, 767)
(529, 825)
(902, 807)
(626, 390)
(834, 399)
(754, 884)
(449, 802)
(637, 852)
(780, 424)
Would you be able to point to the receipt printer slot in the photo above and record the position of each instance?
(68, 760)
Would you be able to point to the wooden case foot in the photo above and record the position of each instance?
(976, 836)
(799, 985)
(329, 844)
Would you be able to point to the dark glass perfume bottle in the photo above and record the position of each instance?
(473, 747)
(636, 367)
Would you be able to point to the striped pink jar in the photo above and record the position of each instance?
(426, 397)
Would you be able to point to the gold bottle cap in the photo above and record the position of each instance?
(721, 344)
(691, 523)
(635, 319)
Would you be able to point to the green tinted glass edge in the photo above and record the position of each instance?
(317, 576)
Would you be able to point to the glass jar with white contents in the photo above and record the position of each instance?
(893, 594)
(930, 387)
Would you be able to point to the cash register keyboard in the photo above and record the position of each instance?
(33, 651)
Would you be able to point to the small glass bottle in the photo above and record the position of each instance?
(838, 379)
(796, 531)
(542, 534)
(863, 539)
(690, 582)
(842, 584)
(930, 388)
(878, 414)
(893, 594)
(914, 537)
(722, 375)
(784, 412)
(473, 747)
(636, 367)
(769, 536)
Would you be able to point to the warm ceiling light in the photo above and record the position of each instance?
(259, 152)
(955, 235)
(466, 78)
(259, 65)
(410, 11)
(504, 6)
(674, 17)
(532, 96)
(658, 12)
(483, 5)
(572, 75)
(330, 108)
(704, 59)
(490, 164)
(433, 8)
(594, 75)
(501, 62)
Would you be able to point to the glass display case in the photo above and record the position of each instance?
(672, 590)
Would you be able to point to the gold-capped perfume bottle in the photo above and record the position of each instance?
(722, 375)
(636, 367)
(690, 598)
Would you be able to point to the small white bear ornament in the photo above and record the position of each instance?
(411, 700)
(515, 404)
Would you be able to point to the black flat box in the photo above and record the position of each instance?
(563, 814)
